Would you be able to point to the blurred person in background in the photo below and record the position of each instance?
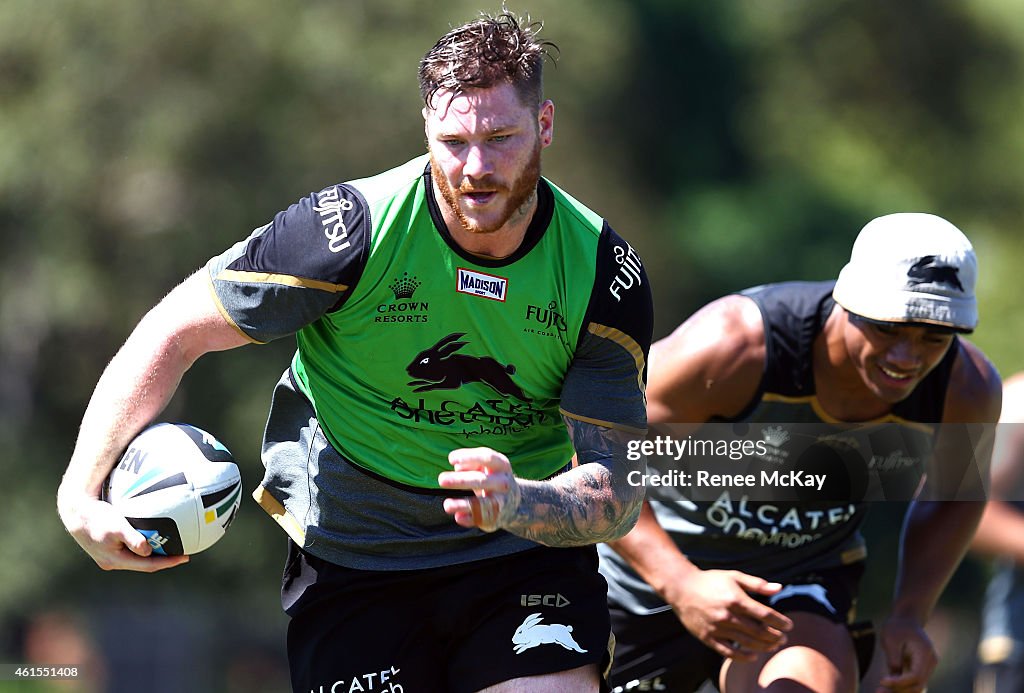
(60, 638)
(752, 594)
(464, 327)
(1001, 535)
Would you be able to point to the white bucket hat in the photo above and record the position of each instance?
(913, 268)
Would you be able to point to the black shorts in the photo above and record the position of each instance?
(656, 652)
(454, 629)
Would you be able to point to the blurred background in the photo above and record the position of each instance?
(733, 143)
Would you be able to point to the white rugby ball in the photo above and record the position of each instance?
(178, 485)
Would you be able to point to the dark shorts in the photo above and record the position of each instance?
(453, 629)
(655, 652)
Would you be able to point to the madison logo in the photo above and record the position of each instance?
(440, 368)
(480, 284)
(928, 271)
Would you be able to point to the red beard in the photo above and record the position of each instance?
(519, 193)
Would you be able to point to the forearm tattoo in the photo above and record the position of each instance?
(592, 503)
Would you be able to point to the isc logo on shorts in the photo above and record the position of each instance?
(556, 600)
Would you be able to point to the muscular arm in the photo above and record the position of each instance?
(710, 366)
(590, 503)
(598, 499)
(937, 530)
(133, 390)
(602, 405)
(280, 278)
(594, 501)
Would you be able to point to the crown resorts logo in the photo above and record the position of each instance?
(775, 437)
(402, 309)
(405, 286)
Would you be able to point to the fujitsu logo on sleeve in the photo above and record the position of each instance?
(628, 275)
(330, 205)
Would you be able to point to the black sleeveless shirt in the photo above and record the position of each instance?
(765, 527)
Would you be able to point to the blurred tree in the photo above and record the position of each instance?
(733, 143)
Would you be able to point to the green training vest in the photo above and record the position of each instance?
(433, 352)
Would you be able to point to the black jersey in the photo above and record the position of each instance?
(743, 529)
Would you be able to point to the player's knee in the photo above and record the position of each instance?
(807, 667)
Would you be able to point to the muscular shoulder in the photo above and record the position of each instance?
(975, 393)
(711, 365)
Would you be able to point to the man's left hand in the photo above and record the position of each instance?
(910, 656)
(488, 474)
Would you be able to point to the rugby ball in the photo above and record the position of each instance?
(178, 485)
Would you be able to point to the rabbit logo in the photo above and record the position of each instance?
(440, 368)
(815, 592)
(533, 633)
(927, 270)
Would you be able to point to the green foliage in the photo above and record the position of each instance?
(733, 143)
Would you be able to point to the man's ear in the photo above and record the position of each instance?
(546, 122)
